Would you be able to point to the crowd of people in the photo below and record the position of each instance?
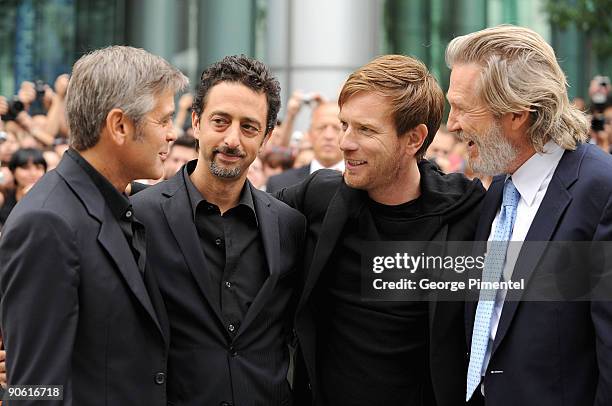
(233, 274)
(34, 123)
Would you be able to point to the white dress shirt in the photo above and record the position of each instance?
(316, 165)
(531, 181)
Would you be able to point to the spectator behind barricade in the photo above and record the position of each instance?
(60, 145)
(601, 124)
(305, 152)
(37, 111)
(284, 128)
(440, 149)
(276, 159)
(8, 145)
(256, 174)
(27, 166)
(183, 150)
(324, 133)
(52, 159)
(579, 103)
(182, 119)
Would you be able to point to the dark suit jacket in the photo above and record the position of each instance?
(287, 178)
(327, 201)
(75, 308)
(554, 353)
(206, 365)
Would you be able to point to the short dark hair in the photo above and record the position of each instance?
(187, 141)
(24, 156)
(244, 70)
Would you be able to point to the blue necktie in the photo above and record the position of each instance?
(494, 265)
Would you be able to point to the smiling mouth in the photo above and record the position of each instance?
(355, 162)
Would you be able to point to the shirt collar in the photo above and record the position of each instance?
(531, 176)
(316, 165)
(195, 197)
(118, 203)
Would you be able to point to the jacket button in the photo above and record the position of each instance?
(225, 404)
(160, 378)
(233, 352)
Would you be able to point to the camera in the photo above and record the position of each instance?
(15, 106)
(37, 106)
(597, 122)
(307, 99)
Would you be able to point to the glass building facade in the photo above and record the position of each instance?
(310, 44)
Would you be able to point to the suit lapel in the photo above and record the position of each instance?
(345, 201)
(542, 229)
(267, 218)
(124, 260)
(108, 236)
(175, 205)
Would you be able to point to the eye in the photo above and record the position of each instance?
(250, 129)
(218, 121)
(343, 125)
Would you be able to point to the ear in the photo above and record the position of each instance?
(415, 138)
(195, 122)
(119, 126)
(516, 120)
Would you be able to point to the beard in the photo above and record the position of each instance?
(495, 152)
(222, 172)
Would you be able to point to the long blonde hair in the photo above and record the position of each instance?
(520, 73)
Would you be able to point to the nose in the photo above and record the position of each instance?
(347, 143)
(171, 135)
(232, 136)
(452, 124)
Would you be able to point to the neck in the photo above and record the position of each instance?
(523, 156)
(403, 186)
(107, 166)
(224, 193)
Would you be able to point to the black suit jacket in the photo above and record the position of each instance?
(206, 365)
(287, 178)
(554, 353)
(327, 202)
(75, 308)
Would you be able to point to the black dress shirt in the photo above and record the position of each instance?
(236, 263)
(120, 207)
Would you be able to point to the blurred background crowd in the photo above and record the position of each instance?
(311, 45)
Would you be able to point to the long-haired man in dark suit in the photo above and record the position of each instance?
(509, 102)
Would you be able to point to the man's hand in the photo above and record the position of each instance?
(61, 85)
(3, 105)
(185, 101)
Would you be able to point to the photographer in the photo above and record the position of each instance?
(601, 112)
(37, 112)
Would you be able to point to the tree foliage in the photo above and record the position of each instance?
(593, 17)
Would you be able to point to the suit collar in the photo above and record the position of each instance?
(177, 209)
(196, 198)
(117, 248)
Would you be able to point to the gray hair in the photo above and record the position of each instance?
(520, 73)
(115, 77)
